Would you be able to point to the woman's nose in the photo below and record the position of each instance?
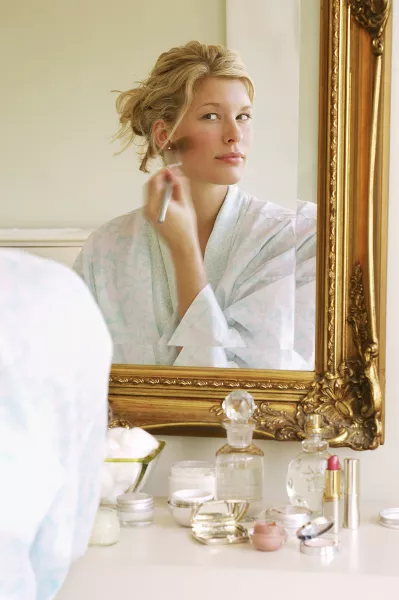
(232, 132)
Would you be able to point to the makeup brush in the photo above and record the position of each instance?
(172, 159)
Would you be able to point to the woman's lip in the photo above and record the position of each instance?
(233, 160)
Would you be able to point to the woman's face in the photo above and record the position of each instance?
(216, 132)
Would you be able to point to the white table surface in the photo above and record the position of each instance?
(163, 561)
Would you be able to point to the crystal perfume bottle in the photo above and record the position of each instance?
(306, 472)
(239, 463)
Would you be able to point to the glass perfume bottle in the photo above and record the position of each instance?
(239, 463)
(306, 472)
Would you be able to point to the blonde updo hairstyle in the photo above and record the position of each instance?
(168, 92)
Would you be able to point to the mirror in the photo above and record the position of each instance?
(303, 338)
(228, 278)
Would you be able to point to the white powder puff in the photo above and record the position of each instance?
(114, 449)
(137, 443)
(116, 478)
(115, 433)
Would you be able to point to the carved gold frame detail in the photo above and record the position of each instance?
(347, 387)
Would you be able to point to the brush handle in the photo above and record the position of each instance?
(167, 194)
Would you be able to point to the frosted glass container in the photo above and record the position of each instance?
(192, 475)
(106, 528)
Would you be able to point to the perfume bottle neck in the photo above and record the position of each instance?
(239, 435)
(314, 443)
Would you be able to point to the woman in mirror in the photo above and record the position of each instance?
(214, 284)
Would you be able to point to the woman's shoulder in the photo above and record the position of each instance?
(265, 208)
(119, 227)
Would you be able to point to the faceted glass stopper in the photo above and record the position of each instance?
(239, 406)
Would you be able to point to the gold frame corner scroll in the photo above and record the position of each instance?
(347, 387)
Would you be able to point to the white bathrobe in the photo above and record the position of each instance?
(305, 295)
(55, 358)
(244, 317)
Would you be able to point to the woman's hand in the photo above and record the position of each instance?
(179, 230)
(180, 233)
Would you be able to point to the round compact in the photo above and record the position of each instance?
(390, 518)
(319, 547)
(314, 528)
(312, 542)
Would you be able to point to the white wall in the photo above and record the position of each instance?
(279, 43)
(380, 471)
(59, 61)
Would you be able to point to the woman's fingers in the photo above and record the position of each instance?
(155, 192)
(179, 186)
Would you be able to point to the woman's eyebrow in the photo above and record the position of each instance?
(249, 106)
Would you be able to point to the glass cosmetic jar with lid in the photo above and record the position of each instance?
(135, 509)
(184, 502)
(268, 536)
(106, 528)
(290, 517)
(192, 475)
(390, 518)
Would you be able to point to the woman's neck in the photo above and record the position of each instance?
(207, 200)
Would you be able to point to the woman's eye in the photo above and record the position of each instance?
(210, 116)
(244, 117)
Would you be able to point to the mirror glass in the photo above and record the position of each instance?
(228, 280)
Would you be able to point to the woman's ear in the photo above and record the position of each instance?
(160, 133)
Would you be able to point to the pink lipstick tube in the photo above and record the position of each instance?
(332, 493)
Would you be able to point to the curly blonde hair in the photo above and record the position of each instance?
(168, 91)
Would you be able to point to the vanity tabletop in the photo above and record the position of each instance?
(163, 561)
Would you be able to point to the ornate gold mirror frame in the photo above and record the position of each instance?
(347, 388)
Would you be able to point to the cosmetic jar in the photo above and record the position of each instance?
(106, 529)
(184, 502)
(291, 518)
(312, 541)
(192, 475)
(135, 509)
(268, 536)
(390, 518)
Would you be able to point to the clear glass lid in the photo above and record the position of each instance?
(291, 517)
(314, 528)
